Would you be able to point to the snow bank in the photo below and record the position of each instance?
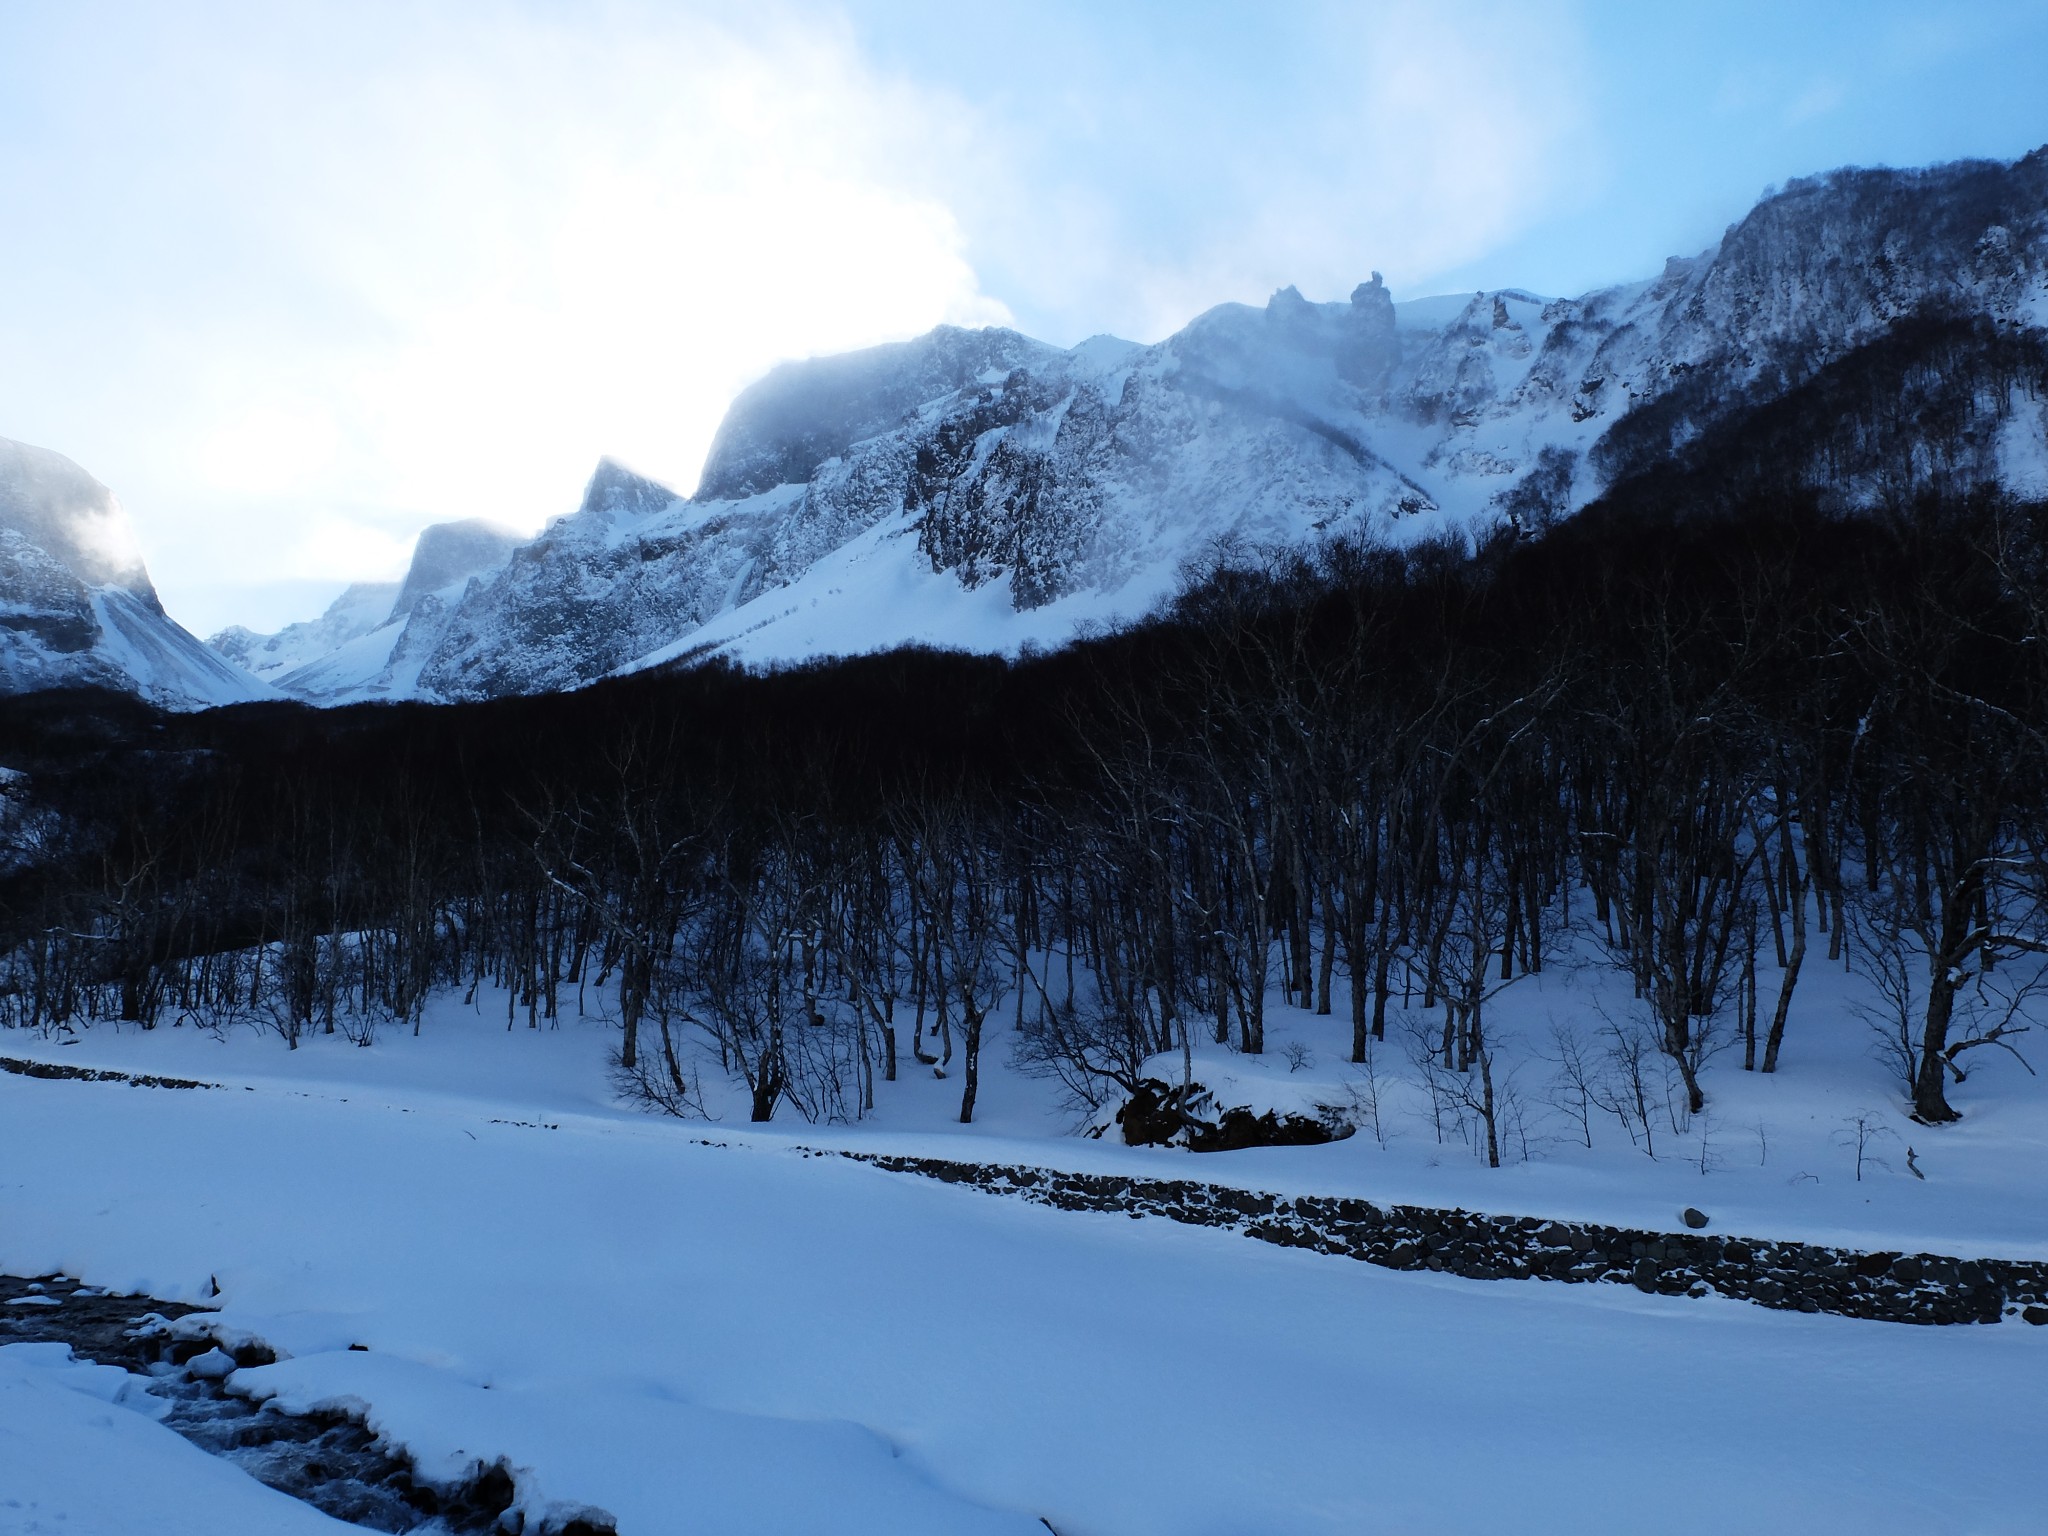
(76, 1458)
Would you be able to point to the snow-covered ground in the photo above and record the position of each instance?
(1773, 1156)
(742, 1337)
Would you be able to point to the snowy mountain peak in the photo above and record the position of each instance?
(74, 520)
(361, 608)
(615, 488)
(77, 608)
(446, 553)
(977, 488)
(782, 427)
(371, 641)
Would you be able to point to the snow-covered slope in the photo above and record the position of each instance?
(363, 607)
(353, 651)
(76, 605)
(983, 490)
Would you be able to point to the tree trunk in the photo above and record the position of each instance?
(1360, 1026)
(1486, 1084)
(970, 1060)
(1776, 1038)
(768, 1081)
(1930, 1100)
(1382, 961)
(1326, 963)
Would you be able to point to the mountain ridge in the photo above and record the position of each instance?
(1859, 337)
(876, 498)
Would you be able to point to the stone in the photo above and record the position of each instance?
(1693, 1218)
(2038, 1316)
(214, 1365)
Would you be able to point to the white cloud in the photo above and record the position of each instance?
(315, 276)
(1818, 99)
(1304, 145)
(438, 277)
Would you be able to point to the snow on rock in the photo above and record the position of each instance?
(705, 1468)
(981, 490)
(1236, 1102)
(76, 605)
(448, 554)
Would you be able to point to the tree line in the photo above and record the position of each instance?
(1716, 748)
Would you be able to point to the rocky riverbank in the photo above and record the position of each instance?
(1799, 1277)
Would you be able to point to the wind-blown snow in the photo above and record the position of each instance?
(76, 606)
(1054, 489)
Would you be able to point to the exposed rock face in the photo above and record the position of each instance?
(73, 519)
(47, 609)
(1871, 334)
(448, 553)
(782, 428)
(76, 605)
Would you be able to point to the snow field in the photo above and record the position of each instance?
(743, 1338)
(1772, 1157)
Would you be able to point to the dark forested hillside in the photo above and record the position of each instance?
(1688, 732)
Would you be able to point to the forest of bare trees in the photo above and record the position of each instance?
(1707, 746)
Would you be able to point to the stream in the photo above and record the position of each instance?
(329, 1460)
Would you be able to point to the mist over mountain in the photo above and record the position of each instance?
(76, 605)
(1486, 793)
(982, 490)
(1862, 338)
(359, 646)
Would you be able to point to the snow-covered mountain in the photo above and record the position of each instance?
(984, 490)
(362, 608)
(76, 605)
(372, 639)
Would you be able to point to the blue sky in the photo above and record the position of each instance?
(298, 280)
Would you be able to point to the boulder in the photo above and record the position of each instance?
(1157, 1114)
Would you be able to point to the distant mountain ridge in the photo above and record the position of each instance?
(984, 490)
(360, 646)
(1861, 337)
